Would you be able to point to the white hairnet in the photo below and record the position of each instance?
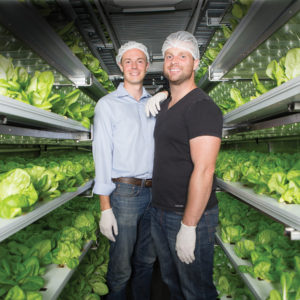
(131, 45)
(183, 40)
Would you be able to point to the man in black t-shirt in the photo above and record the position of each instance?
(187, 140)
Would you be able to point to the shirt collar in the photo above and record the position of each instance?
(122, 92)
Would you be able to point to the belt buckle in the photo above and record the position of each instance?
(143, 183)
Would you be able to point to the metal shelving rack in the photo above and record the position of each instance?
(251, 32)
(279, 106)
(82, 13)
(288, 214)
(263, 18)
(260, 288)
(34, 31)
(10, 226)
(20, 119)
(42, 123)
(283, 99)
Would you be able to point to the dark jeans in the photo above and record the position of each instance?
(132, 255)
(185, 281)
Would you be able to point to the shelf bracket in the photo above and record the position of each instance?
(294, 107)
(214, 17)
(215, 76)
(292, 233)
(3, 120)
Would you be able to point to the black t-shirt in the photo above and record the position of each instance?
(194, 115)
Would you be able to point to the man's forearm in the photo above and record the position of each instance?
(104, 202)
(198, 195)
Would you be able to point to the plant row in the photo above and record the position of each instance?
(227, 280)
(279, 72)
(89, 279)
(274, 174)
(75, 42)
(238, 11)
(58, 238)
(37, 90)
(26, 181)
(261, 242)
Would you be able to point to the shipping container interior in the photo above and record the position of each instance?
(57, 59)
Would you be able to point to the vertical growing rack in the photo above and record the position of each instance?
(267, 32)
(32, 43)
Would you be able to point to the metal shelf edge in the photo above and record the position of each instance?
(20, 131)
(285, 213)
(30, 114)
(276, 99)
(246, 37)
(10, 226)
(33, 30)
(260, 289)
(95, 90)
(56, 278)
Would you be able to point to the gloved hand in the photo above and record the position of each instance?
(185, 243)
(153, 104)
(108, 224)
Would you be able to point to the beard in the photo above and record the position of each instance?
(180, 79)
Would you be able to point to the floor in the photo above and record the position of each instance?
(159, 290)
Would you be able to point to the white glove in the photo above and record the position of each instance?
(108, 224)
(153, 104)
(185, 243)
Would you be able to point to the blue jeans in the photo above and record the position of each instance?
(132, 255)
(185, 281)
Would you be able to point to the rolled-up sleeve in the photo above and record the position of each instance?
(103, 149)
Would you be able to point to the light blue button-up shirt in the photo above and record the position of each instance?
(123, 144)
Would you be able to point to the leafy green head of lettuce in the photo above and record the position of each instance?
(99, 287)
(42, 247)
(39, 89)
(262, 269)
(292, 194)
(224, 285)
(15, 293)
(292, 63)
(276, 72)
(44, 181)
(266, 236)
(260, 88)
(33, 283)
(16, 192)
(71, 234)
(236, 96)
(274, 295)
(243, 248)
(232, 234)
(85, 222)
(30, 295)
(286, 280)
(6, 68)
(66, 253)
(21, 76)
(231, 175)
(278, 183)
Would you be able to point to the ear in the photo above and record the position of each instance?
(147, 66)
(120, 66)
(196, 64)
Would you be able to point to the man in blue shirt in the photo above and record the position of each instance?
(123, 150)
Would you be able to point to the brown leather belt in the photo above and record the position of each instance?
(135, 181)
